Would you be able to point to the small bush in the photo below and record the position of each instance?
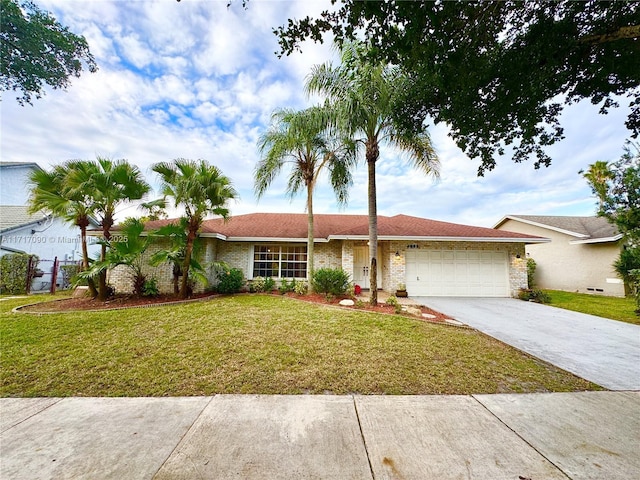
(393, 301)
(257, 285)
(150, 288)
(331, 281)
(286, 286)
(634, 274)
(531, 272)
(269, 284)
(300, 287)
(230, 281)
(534, 295)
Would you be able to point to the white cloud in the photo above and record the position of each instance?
(197, 80)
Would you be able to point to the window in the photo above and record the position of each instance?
(280, 261)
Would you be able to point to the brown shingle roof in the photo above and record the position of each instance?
(585, 228)
(326, 226)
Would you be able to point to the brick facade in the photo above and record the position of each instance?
(333, 254)
(515, 254)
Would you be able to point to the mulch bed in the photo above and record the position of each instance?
(118, 301)
(129, 301)
(379, 308)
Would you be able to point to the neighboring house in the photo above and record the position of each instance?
(43, 235)
(38, 234)
(579, 257)
(432, 258)
(14, 182)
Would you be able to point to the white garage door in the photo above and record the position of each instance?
(457, 273)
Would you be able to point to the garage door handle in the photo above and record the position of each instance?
(418, 279)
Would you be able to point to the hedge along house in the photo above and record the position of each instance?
(431, 258)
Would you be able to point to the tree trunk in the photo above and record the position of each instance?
(176, 279)
(372, 154)
(103, 291)
(188, 250)
(85, 259)
(310, 262)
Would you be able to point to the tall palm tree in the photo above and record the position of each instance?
(599, 176)
(364, 95)
(303, 140)
(50, 192)
(108, 184)
(201, 189)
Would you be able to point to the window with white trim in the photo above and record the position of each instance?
(280, 261)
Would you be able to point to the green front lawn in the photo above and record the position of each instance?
(616, 308)
(257, 344)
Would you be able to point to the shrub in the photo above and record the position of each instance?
(14, 274)
(625, 264)
(393, 301)
(534, 295)
(286, 286)
(300, 287)
(257, 285)
(531, 272)
(150, 288)
(330, 281)
(230, 281)
(269, 284)
(634, 274)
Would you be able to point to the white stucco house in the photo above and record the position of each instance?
(578, 258)
(432, 258)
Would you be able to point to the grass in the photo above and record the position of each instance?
(615, 308)
(257, 344)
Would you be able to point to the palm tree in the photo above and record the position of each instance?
(176, 234)
(303, 140)
(599, 176)
(107, 183)
(127, 252)
(364, 95)
(201, 189)
(50, 192)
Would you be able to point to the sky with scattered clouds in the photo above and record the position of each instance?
(195, 79)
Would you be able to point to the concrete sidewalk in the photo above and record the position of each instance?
(586, 435)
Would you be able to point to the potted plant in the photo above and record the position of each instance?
(402, 290)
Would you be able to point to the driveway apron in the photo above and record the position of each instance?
(606, 352)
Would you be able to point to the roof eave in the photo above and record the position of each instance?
(615, 238)
(443, 239)
(273, 239)
(22, 225)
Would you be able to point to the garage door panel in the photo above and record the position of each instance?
(457, 273)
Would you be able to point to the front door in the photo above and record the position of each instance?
(361, 266)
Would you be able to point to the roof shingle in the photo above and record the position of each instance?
(326, 226)
(587, 228)
(13, 216)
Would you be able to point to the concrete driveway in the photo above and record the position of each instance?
(606, 352)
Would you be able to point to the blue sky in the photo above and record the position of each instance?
(196, 79)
